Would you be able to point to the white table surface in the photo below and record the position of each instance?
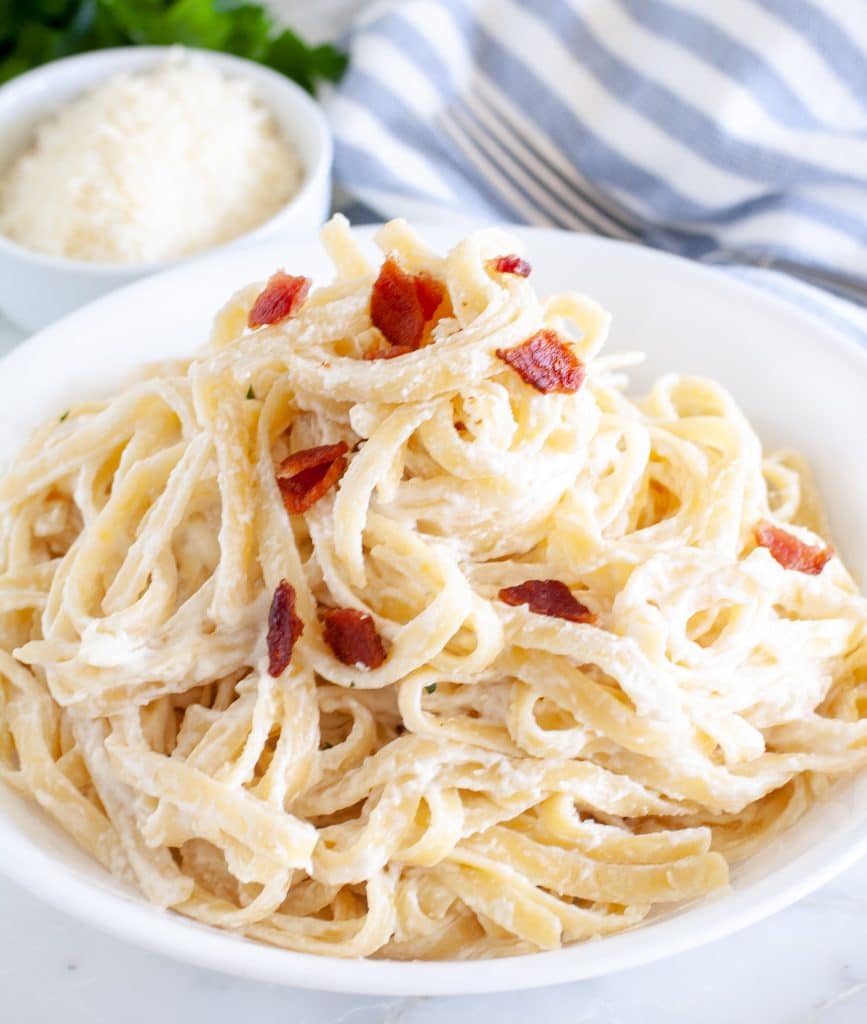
(806, 965)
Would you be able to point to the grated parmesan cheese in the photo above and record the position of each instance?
(149, 167)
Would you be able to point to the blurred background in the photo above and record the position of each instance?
(732, 133)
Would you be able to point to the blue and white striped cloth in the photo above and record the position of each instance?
(729, 131)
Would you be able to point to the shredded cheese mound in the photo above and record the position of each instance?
(148, 167)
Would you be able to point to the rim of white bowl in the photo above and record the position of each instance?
(140, 58)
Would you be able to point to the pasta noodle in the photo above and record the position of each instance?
(529, 661)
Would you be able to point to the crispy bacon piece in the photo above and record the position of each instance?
(305, 476)
(430, 294)
(790, 552)
(284, 628)
(545, 363)
(279, 299)
(548, 597)
(401, 304)
(352, 636)
(510, 264)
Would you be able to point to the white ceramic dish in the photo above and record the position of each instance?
(799, 382)
(37, 289)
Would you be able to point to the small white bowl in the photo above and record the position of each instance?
(36, 289)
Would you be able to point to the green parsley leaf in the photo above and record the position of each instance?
(64, 416)
(33, 32)
(290, 55)
(250, 393)
(431, 688)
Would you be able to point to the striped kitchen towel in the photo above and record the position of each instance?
(729, 131)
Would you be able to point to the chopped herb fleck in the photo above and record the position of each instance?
(250, 393)
(431, 688)
(352, 686)
(64, 416)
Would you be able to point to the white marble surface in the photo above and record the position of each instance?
(807, 965)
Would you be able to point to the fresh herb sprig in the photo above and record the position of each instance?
(33, 32)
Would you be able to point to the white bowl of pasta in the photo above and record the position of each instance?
(391, 630)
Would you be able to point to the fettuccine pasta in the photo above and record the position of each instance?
(389, 625)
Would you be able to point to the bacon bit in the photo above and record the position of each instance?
(401, 304)
(545, 363)
(284, 628)
(352, 636)
(548, 597)
(511, 264)
(279, 299)
(305, 476)
(790, 552)
(430, 294)
(389, 353)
